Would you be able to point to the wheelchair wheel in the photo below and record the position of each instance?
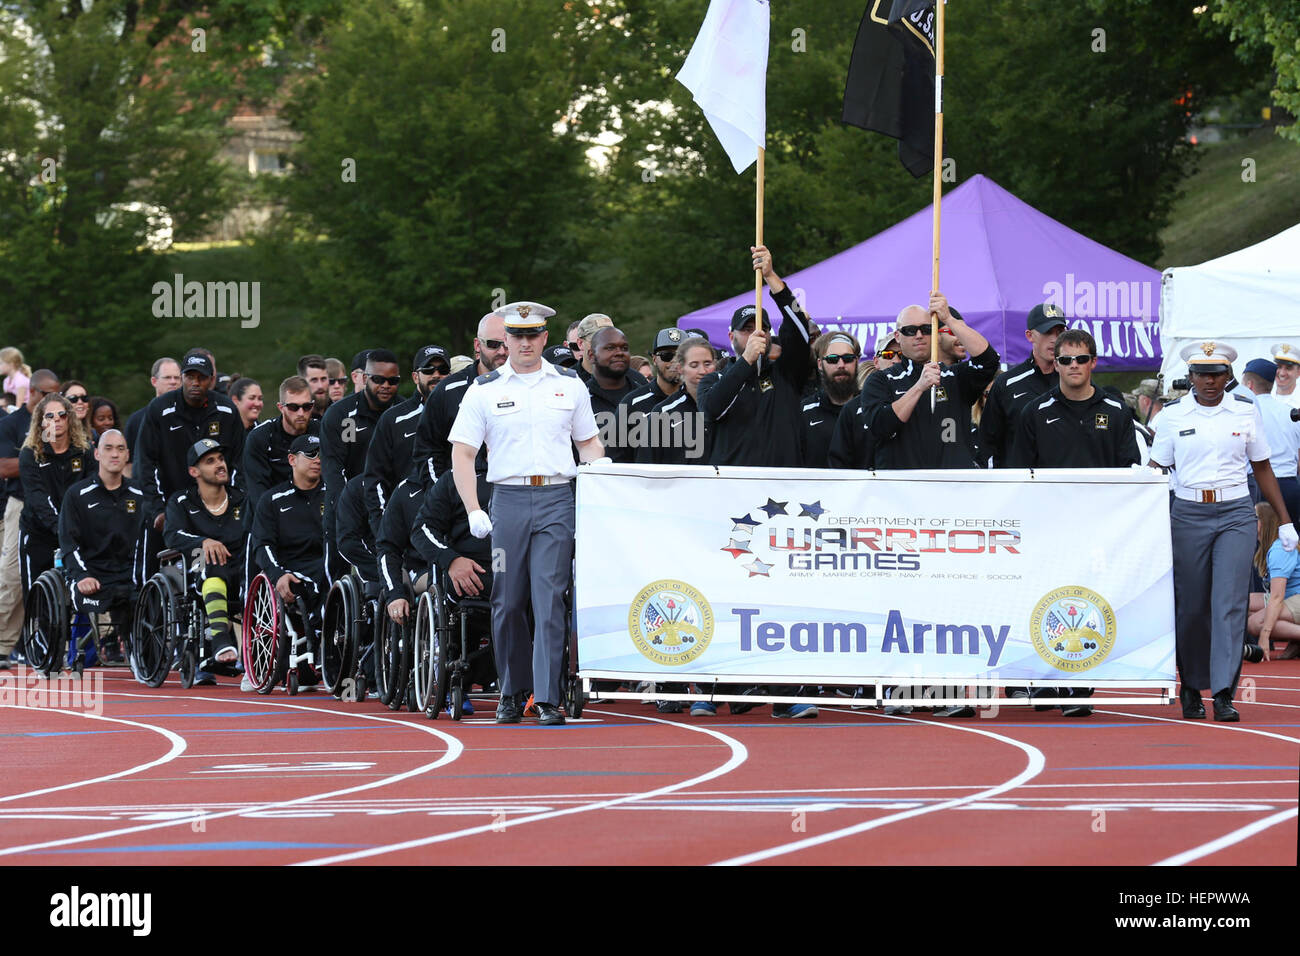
(155, 625)
(398, 647)
(47, 623)
(339, 635)
(383, 661)
(189, 667)
(574, 698)
(457, 700)
(266, 643)
(424, 666)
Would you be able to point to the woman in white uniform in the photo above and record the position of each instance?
(1211, 440)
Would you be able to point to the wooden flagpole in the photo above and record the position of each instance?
(938, 175)
(758, 241)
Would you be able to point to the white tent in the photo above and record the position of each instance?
(1249, 299)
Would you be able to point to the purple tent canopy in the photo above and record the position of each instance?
(1001, 257)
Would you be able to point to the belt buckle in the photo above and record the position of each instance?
(1209, 496)
(536, 480)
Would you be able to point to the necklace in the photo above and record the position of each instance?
(225, 502)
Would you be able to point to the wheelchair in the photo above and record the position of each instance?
(170, 627)
(348, 637)
(48, 625)
(278, 643)
(394, 656)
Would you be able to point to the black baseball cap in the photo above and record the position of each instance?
(305, 445)
(1045, 317)
(427, 355)
(668, 339)
(197, 362)
(359, 360)
(200, 448)
(560, 355)
(746, 314)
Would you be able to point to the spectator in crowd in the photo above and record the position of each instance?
(76, 393)
(837, 355)
(688, 441)
(358, 371)
(55, 455)
(315, 370)
(459, 363)
(896, 403)
(8, 402)
(1146, 400)
(13, 433)
(1282, 434)
(662, 381)
(431, 451)
(587, 327)
(609, 384)
(266, 448)
(164, 376)
(338, 378)
(1287, 357)
(1211, 441)
(17, 375)
(951, 351)
(571, 339)
(1275, 615)
(391, 452)
(103, 416)
(641, 365)
(1023, 383)
(247, 396)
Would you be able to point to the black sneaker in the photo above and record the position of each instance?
(956, 710)
(1252, 653)
(739, 708)
(1077, 710)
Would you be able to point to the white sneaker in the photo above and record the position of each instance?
(245, 684)
(646, 687)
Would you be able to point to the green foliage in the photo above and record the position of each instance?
(1272, 27)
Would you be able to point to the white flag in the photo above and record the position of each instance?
(726, 72)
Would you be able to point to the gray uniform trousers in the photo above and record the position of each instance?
(532, 531)
(1213, 546)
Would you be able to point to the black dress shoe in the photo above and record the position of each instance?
(509, 711)
(1223, 709)
(1193, 708)
(548, 715)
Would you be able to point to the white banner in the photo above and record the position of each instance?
(1000, 576)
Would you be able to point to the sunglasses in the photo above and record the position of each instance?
(386, 379)
(572, 346)
(848, 359)
(77, 398)
(907, 331)
(313, 455)
(54, 416)
(297, 406)
(667, 355)
(493, 344)
(1067, 360)
(435, 369)
(887, 354)
(339, 381)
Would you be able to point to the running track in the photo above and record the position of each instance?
(214, 776)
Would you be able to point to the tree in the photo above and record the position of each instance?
(112, 113)
(1271, 26)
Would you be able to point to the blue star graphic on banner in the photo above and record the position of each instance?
(774, 508)
(814, 510)
(757, 567)
(737, 548)
(744, 524)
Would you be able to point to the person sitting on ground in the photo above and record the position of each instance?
(1275, 615)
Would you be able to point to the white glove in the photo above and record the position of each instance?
(1286, 534)
(480, 525)
(600, 461)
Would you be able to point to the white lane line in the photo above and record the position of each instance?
(1217, 725)
(454, 750)
(178, 745)
(739, 754)
(1228, 839)
(300, 753)
(1033, 767)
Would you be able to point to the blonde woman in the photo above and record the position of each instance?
(55, 455)
(17, 376)
(1274, 616)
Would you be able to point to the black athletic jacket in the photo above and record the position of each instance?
(266, 457)
(432, 451)
(287, 533)
(820, 416)
(98, 530)
(44, 485)
(672, 449)
(388, 460)
(754, 413)
(397, 553)
(441, 533)
(1056, 433)
(170, 428)
(345, 434)
(920, 441)
(352, 523)
(188, 522)
(1011, 393)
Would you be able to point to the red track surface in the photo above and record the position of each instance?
(215, 776)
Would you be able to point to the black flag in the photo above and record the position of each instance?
(890, 86)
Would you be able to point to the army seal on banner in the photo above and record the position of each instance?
(670, 622)
(1073, 628)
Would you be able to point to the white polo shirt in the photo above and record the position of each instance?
(1282, 434)
(1209, 447)
(528, 422)
(1292, 400)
